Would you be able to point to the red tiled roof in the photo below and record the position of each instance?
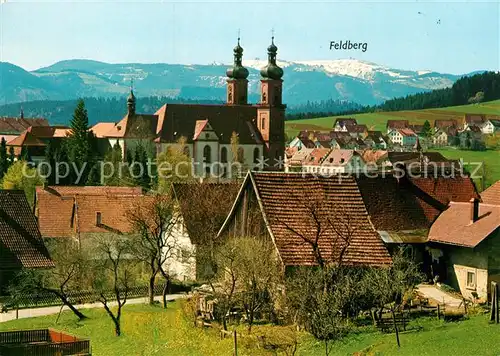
(445, 123)
(25, 139)
(62, 211)
(475, 119)
(15, 124)
(410, 204)
(198, 128)
(21, 244)
(101, 129)
(454, 226)
(286, 200)
(345, 122)
(407, 132)
(316, 156)
(371, 156)
(397, 124)
(134, 126)
(492, 194)
(338, 157)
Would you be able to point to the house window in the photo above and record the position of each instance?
(263, 123)
(98, 218)
(223, 155)
(471, 279)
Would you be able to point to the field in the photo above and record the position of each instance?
(490, 158)
(150, 330)
(377, 121)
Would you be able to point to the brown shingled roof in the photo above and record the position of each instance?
(397, 124)
(286, 199)
(21, 244)
(16, 124)
(492, 194)
(454, 226)
(25, 139)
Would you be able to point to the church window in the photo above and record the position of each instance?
(223, 155)
(256, 153)
(207, 154)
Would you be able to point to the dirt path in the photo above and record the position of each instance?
(434, 293)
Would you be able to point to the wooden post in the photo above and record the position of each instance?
(395, 327)
(373, 318)
(17, 312)
(494, 302)
(438, 312)
(235, 343)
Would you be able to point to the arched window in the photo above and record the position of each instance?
(207, 154)
(223, 155)
(256, 153)
(241, 155)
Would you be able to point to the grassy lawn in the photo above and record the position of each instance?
(490, 158)
(152, 331)
(377, 121)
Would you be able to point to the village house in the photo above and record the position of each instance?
(342, 161)
(203, 208)
(392, 125)
(341, 124)
(297, 158)
(358, 131)
(300, 143)
(313, 161)
(208, 129)
(445, 123)
(471, 137)
(496, 124)
(375, 140)
(294, 212)
(480, 121)
(21, 244)
(467, 237)
(403, 208)
(403, 137)
(439, 138)
(492, 194)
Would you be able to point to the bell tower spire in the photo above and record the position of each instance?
(271, 110)
(131, 99)
(237, 83)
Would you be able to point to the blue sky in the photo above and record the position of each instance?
(454, 37)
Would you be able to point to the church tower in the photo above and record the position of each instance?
(237, 84)
(271, 110)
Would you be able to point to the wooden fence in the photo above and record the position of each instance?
(44, 342)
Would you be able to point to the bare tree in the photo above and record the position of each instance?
(154, 221)
(69, 274)
(114, 274)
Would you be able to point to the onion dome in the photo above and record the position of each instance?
(272, 70)
(237, 71)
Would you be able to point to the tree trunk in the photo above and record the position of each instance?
(166, 288)
(224, 323)
(118, 330)
(66, 302)
(151, 290)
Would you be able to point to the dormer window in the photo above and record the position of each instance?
(98, 218)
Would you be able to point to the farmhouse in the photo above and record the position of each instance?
(396, 125)
(294, 211)
(467, 235)
(21, 244)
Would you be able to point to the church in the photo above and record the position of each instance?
(210, 131)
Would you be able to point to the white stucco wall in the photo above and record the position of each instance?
(182, 261)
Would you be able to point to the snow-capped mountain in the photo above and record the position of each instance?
(359, 81)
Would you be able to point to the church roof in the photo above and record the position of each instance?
(177, 120)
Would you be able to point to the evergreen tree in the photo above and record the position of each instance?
(24, 155)
(12, 155)
(79, 142)
(140, 168)
(4, 162)
(426, 130)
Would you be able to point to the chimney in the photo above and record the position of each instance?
(474, 210)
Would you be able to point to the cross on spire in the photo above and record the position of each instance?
(131, 84)
(239, 32)
(272, 35)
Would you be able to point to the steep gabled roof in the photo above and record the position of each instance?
(475, 119)
(134, 126)
(285, 202)
(492, 194)
(15, 124)
(21, 244)
(445, 123)
(454, 226)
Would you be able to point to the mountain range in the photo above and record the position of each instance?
(358, 81)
